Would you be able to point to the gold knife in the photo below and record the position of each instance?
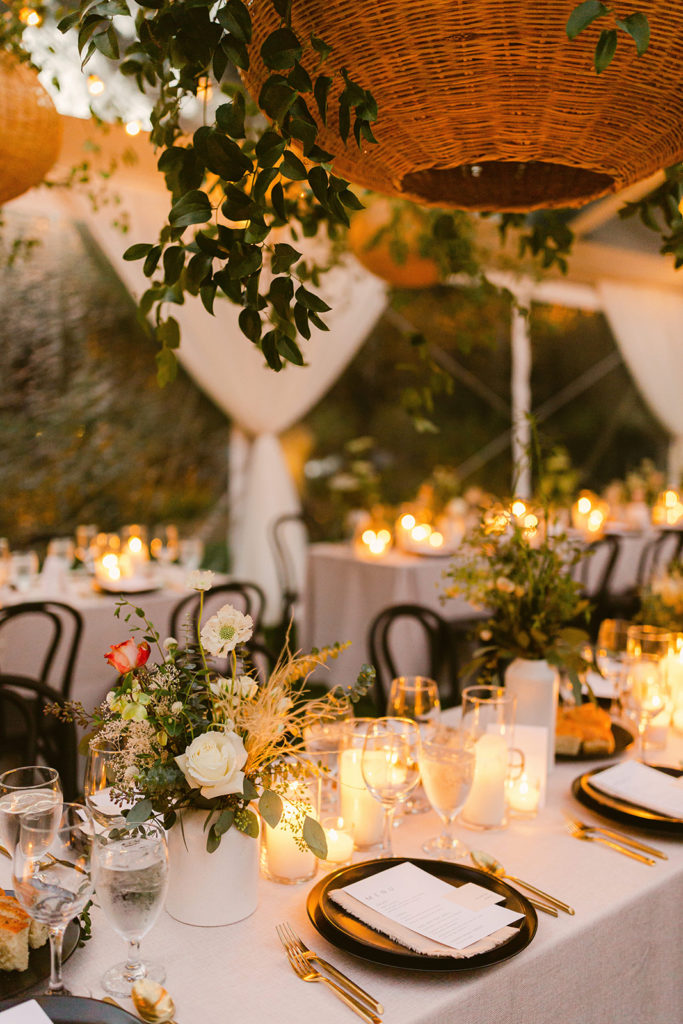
(620, 837)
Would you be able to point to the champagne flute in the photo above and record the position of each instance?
(130, 871)
(34, 788)
(417, 698)
(103, 769)
(51, 875)
(390, 766)
(447, 759)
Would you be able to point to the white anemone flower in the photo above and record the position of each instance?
(200, 579)
(224, 630)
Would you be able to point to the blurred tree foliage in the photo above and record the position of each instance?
(87, 435)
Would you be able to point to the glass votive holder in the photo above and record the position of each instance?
(363, 814)
(339, 842)
(284, 857)
(523, 796)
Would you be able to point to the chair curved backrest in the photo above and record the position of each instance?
(60, 628)
(285, 564)
(605, 552)
(29, 736)
(441, 654)
(247, 597)
(658, 553)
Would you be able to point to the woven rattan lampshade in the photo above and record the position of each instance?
(487, 105)
(30, 129)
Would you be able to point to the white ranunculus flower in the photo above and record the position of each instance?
(212, 763)
(242, 688)
(224, 630)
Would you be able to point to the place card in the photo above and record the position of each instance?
(417, 900)
(642, 785)
(25, 1013)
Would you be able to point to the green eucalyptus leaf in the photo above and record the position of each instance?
(314, 837)
(269, 149)
(235, 50)
(281, 49)
(280, 294)
(224, 822)
(317, 179)
(230, 116)
(219, 64)
(350, 199)
(250, 324)
(140, 812)
(238, 205)
(583, 15)
(167, 367)
(232, 287)
(197, 269)
(192, 208)
(136, 252)
(244, 260)
(151, 260)
(213, 840)
(276, 97)
(277, 198)
(284, 257)
(168, 332)
(301, 320)
(270, 807)
(605, 49)
(311, 301)
(247, 822)
(321, 47)
(234, 17)
(269, 349)
(225, 158)
(288, 348)
(207, 294)
(174, 261)
(299, 78)
(321, 92)
(292, 168)
(257, 230)
(638, 27)
(263, 182)
(249, 790)
(316, 321)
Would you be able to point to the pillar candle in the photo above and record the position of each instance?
(485, 805)
(364, 814)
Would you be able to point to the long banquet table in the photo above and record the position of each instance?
(618, 959)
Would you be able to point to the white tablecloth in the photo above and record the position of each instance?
(344, 593)
(619, 959)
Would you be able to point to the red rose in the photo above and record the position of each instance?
(128, 655)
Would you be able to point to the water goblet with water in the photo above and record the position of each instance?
(51, 875)
(130, 871)
(390, 766)
(645, 687)
(32, 788)
(447, 759)
(611, 653)
(103, 769)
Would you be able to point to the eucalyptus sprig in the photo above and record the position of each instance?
(238, 183)
(634, 25)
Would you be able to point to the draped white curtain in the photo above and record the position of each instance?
(648, 326)
(262, 404)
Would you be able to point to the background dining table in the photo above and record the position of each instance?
(618, 959)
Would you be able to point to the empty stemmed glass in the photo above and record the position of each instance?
(390, 766)
(130, 871)
(611, 652)
(645, 686)
(447, 759)
(322, 738)
(34, 788)
(51, 875)
(417, 698)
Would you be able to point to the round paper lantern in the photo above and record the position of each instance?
(30, 129)
(386, 240)
(487, 105)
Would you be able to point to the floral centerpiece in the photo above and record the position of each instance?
(191, 736)
(523, 577)
(661, 602)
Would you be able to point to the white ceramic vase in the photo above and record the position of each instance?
(210, 889)
(536, 685)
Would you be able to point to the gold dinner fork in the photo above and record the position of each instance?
(303, 970)
(619, 837)
(579, 833)
(288, 937)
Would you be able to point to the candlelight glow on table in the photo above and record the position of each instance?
(668, 509)
(282, 858)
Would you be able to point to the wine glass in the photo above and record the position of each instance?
(51, 875)
(24, 566)
(190, 552)
(130, 871)
(102, 769)
(34, 788)
(645, 687)
(610, 651)
(447, 758)
(417, 698)
(164, 543)
(390, 766)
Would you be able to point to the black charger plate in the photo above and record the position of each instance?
(77, 1010)
(351, 935)
(614, 809)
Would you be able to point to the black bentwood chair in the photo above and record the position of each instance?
(56, 631)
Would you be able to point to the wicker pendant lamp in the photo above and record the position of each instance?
(487, 105)
(30, 129)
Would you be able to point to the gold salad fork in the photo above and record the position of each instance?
(303, 970)
(579, 833)
(619, 837)
(288, 937)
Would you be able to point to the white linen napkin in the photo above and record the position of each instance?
(644, 786)
(24, 1013)
(413, 940)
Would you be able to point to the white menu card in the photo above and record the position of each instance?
(417, 900)
(642, 785)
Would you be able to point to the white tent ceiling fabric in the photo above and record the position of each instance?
(648, 326)
(260, 402)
